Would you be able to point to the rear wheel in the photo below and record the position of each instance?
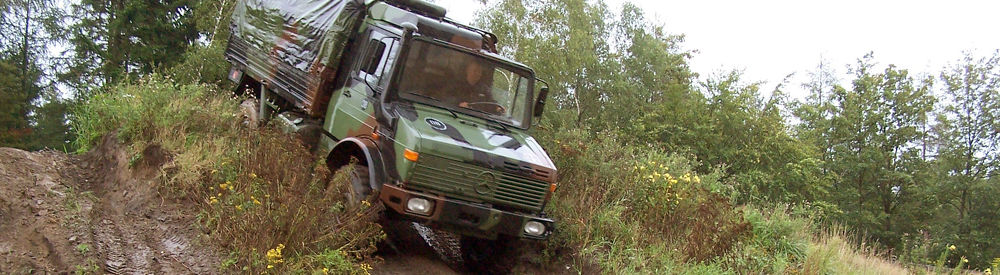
(482, 256)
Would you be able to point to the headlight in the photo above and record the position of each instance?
(420, 206)
(534, 228)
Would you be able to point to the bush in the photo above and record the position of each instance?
(631, 208)
(261, 194)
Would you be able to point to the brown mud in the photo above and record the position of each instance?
(95, 213)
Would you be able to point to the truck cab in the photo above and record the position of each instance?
(441, 122)
(433, 121)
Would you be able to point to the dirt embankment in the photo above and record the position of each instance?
(102, 213)
(96, 213)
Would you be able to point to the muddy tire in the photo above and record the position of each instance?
(357, 187)
(483, 256)
(249, 111)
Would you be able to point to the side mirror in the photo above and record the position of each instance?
(540, 102)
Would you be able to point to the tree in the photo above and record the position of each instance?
(117, 39)
(605, 61)
(15, 127)
(968, 156)
(876, 130)
(25, 28)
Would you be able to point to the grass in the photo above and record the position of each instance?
(255, 190)
(835, 253)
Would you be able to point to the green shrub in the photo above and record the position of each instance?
(152, 106)
(261, 194)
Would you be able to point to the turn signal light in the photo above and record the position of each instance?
(410, 155)
(552, 188)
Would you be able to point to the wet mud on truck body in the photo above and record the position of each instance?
(433, 121)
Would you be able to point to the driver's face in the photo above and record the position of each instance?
(473, 73)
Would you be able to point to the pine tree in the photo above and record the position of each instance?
(117, 39)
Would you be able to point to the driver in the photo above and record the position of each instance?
(474, 92)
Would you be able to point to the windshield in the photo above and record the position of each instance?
(461, 81)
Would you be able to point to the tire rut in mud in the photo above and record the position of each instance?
(137, 231)
(95, 213)
(411, 248)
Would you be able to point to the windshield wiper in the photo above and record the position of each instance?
(489, 117)
(453, 114)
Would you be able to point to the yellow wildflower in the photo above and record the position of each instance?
(255, 201)
(951, 248)
(274, 255)
(964, 260)
(366, 203)
(239, 207)
(253, 176)
(270, 266)
(212, 200)
(326, 271)
(988, 271)
(696, 179)
(224, 186)
(211, 188)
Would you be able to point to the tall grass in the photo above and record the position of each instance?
(833, 252)
(260, 194)
(635, 209)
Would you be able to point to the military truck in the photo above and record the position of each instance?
(430, 119)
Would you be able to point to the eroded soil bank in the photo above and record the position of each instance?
(101, 213)
(95, 213)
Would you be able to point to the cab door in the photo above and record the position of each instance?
(353, 112)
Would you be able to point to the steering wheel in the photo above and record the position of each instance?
(499, 108)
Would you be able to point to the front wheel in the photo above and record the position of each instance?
(357, 187)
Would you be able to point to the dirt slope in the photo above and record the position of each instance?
(94, 213)
(101, 213)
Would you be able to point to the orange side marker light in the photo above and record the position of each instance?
(410, 155)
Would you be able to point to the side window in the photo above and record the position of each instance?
(375, 51)
(379, 53)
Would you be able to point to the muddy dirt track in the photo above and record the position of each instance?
(97, 213)
(94, 213)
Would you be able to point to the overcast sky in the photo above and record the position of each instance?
(771, 39)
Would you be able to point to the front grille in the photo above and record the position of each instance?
(476, 183)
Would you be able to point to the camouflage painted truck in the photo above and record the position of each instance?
(432, 119)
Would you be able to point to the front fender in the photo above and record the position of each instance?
(366, 151)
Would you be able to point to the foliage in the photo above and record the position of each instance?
(34, 115)
(273, 220)
(114, 40)
(203, 64)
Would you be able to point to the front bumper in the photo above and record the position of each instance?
(463, 217)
